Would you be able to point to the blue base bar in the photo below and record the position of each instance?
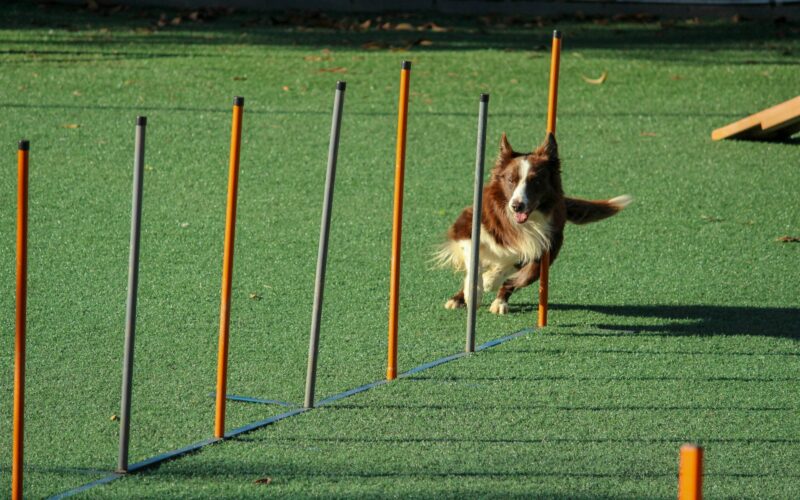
(247, 399)
(170, 455)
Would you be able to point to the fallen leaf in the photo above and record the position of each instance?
(239, 78)
(184, 225)
(285, 88)
(648, 134)
(264, 480)
(114, 418)
(788, 239)
(675, 77)
(374, 46)
(335, 69)
(596, 81)
(422, 42)
(404, 27)
(710, 218)
(255, 296)
(71, 125)
(438, 29)
(366, 24)
(76, 93)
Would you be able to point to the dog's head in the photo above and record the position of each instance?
(530, 181)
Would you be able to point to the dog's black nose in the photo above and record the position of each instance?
(518, 206)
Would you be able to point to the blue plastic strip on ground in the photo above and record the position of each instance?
(248, 399)
(87, 486)
(170, 455)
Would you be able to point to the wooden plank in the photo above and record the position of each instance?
(738, 129)
(779, 121)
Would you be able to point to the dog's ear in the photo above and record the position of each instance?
(506, 153)
(549, 147)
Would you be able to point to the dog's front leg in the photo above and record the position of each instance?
(524, 277)
(466, 247)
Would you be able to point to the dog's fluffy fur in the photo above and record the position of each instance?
(523, 216)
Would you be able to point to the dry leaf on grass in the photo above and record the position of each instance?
(114, 418)
(404, 27)
(788, 239)
(374, 46)
(254, 296)
(596, 81)
(71, 125)
(285, 88)
(239, 78)
(264, 480)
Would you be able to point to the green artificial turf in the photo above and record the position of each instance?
(676, 321)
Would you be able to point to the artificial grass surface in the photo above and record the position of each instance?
(675, 321)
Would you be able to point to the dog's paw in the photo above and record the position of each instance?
(453, 304)
(499, 307)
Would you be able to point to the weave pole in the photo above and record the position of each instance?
(397, 219)
(477, 207)
(133, 285)
(324, 233)
(20, 320)
(690, 475)
(552, 103)
(227, 268)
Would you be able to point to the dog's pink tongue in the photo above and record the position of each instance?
(521, 217)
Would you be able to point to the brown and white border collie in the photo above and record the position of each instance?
(523, 216)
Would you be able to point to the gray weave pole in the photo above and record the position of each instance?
(322, 257)
(133, 284)
(477, 203)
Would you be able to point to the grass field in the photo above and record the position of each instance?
(676, 321)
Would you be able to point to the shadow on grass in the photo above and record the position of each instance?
(694, 320)
(655, 40)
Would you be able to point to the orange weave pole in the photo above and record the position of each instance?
(227, 269)
(397, 219)
(690, 475)
(552, 104)
(22, 301)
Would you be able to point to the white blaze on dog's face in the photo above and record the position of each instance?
(526, 178)
(519, 201)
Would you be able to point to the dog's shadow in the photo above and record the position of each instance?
(696, 320)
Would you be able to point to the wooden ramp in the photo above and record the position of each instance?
(777, 122)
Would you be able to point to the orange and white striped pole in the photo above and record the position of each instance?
(690, 473)
(227, 269)
(397, 219)
(20, 318)
(552, 103)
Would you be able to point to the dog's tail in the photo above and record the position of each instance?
(585, 211)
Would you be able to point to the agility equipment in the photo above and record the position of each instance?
(397, 219)
(324, 232)
(227, 268)
(690, 475)
(477, 207)
(775, 123)
(18, 444)
(552, 102)
(133, 285)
